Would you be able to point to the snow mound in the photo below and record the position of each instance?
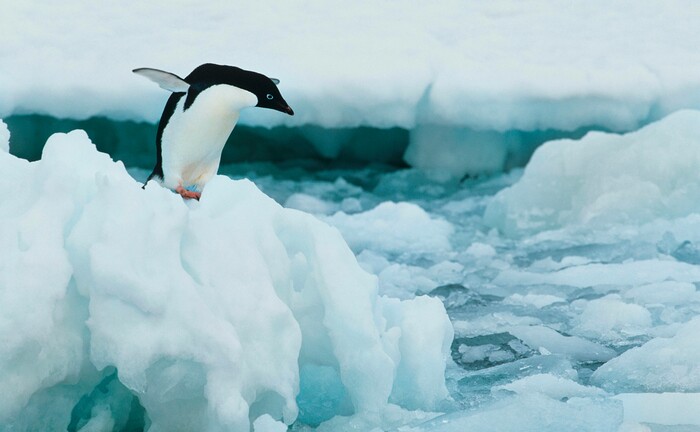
(212, 314)
(660, 365)
(606, 178)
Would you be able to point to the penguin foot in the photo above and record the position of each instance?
(187, 194)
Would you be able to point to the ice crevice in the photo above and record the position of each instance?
(212, 314)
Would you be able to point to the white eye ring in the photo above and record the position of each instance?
(269, 96)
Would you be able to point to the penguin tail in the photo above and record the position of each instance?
(158, 176)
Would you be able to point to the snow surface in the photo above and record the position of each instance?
(214, 313)
(470, 80)
(497, 65)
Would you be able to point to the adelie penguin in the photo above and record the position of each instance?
(199, 117)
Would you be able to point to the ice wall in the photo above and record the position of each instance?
(119, 305)
(134, 142)
(4, 137)
(458, 75)
(605, 179)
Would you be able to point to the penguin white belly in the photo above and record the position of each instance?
(193, 139)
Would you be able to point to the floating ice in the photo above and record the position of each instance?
(309, 204)
(577, 348)
(546, 399)
(126, 305)
(667, 293)
(489, 324)
(660, 365)
(537, 300)
(605, 178)
(456, 296)
(405, 281)
(395, 228)
(533, 413)
(610, 319)
(553, 386)
(630, 273)
(672, 409)
(481, 250)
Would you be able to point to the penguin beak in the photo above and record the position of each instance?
(278, 105)
(287, 109)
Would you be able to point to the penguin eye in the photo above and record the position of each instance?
(269, 96)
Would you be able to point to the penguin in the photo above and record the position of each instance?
(198, 118)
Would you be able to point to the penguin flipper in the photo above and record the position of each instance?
(166, 80)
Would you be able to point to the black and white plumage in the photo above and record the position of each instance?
(199, 117)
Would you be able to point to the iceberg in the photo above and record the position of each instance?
(127, 306)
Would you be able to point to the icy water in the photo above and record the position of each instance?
(531, 314)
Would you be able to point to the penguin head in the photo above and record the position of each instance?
(269, 95)
(209, 74)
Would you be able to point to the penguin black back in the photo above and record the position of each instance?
(264, 88)
(229, 85)
(168, 112)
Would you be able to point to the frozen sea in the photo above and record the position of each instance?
(542, 319)
(577, 316)
(558, 296)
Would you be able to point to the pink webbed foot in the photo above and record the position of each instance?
(187, 194)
